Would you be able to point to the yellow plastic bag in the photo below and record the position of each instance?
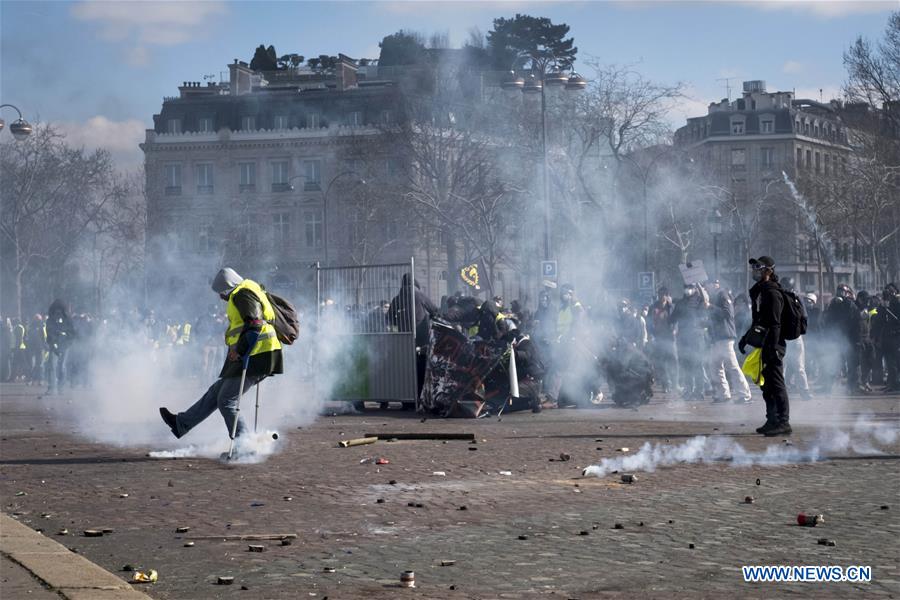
(149, 577)
(753, 367)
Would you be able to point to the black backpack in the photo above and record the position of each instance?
(793, 316)
(287, 323)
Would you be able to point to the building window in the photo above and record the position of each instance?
(313, 171)
(818, 162)
(173, 179)
(738, 159)
(282, 229)
(248, 123)
(355, 118)
(767, 126)
(737, 127)
(205, 240)
(387, 117)
(816, 130)
(767, 157)
(808, 158)
(280, 176)
(827, 163)
(806, 128)
(248, 176)
(281, 122)
(391, 231)
(356, 165)
(313, 120)
(173, 126)
(204, 178)
(248, 237)
(392, 167)
(313, 228)
(205, 124)
(739, 189)
(799, 158)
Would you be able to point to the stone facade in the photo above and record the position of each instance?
(272, 177)
(761, 139)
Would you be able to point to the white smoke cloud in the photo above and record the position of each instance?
(864, 438)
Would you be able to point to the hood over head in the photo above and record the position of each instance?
(226, 280)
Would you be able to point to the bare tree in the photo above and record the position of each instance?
(873, 72)
(454, 176)
(51, 195)
(115, 240)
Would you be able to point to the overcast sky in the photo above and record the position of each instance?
(100, 69)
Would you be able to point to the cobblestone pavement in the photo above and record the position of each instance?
(351, 518)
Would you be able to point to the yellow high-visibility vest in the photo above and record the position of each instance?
(267, 341)
(185, 334)
(566, 318)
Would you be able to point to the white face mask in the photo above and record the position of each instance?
(689, 292)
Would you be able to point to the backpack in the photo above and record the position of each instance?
(287, 323)
(793, 316)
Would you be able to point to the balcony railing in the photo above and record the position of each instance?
(173, 190)
(281, 187)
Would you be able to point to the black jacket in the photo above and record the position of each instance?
(264, 363)
(842, 318)
(766, 305)
(399, 312)
(60, 331)
(721, 319)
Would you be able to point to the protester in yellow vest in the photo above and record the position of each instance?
(250, 333)
(570, 312)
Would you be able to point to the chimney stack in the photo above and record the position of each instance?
(345, 73)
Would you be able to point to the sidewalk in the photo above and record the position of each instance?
(30, 559)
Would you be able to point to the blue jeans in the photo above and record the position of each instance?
(223, 394)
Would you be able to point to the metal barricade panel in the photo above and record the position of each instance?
(369, 312)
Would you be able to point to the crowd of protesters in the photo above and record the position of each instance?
(56, 348)
(685, 346)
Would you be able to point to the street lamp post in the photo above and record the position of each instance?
(20, 128)
(715, 228)
(536, 83)
(359, 180)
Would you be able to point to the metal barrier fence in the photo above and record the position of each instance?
(366, 314)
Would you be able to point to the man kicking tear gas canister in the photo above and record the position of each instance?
(252, 346)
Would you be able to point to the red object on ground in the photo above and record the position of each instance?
(382, 461)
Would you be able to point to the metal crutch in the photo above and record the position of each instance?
(256, 414)
(252, 337)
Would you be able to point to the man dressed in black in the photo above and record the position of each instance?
(767, 305)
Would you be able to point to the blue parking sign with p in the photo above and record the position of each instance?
(645, 281)
(548, 269)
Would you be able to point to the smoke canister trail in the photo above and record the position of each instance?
(863, 439)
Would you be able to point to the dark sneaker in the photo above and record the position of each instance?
(170, 420)
(765, 427)
(781, 429)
